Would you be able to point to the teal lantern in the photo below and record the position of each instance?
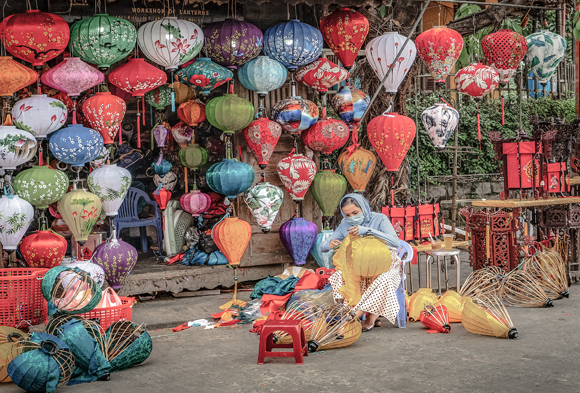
(324, 259)
(230, 177)
(204, 75)
(229, 113)
(328, 188)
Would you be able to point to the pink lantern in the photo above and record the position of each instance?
(195, 202)
(72, 76)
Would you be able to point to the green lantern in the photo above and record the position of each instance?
(159, 97)
(193, 156)
(328, 188)
(102, 39)
(229, 113)
(41, 185)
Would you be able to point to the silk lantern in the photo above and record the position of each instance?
(369, 256)
(80, 211)
(161, 167)
(102, 39)
(391, 135)
(203, 75)
(160, 133)
(232, 236)
(110, 183)
(345, 32)
(191, 113)
(15, 217)
(162, 197)
(193, 156)
(293, 43)
(229, 113)
(296, 172)
(182, 134)
(262, 136)
(328, 188)
(41, 185)
(381, 53)
(72, 76)
(40, 115)
(350, 104)
(159, 98)
(262, 75)
(76, 145)
(323, 259)
(43, 249)
(230, 177)
(264, 201)
(298, 236)
(105, 113)
(504, 50)
(440, 121)
(195, 202)
(545, 51)
(321, 74)
(117, 259)
(14, 76)
(183, 92)
(326, 136)
(295, 114)
(357, 167)
(439, 47)
(16, 147)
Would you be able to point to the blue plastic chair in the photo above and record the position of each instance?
(404, 249)
(128, 217)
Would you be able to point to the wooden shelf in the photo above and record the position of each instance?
(427, 247)
(512, 203)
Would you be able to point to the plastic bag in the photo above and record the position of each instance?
(252, 310)
(319, 297)
(110, 299)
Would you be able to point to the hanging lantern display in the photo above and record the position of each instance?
(262, 75)
(295, 114)
(326, 136)
(162, 197)
(264, 201)
(41, 185)
(298, 236)
(328, 188)
(262, 136)
(43, 249)
(34, 36)
(232, 236)
(80, 211)
(381, 53)
(159, 98)
(440, 121)
(76, 145)
(168, 181)
(232, 42)
(72, 76)
(293, 43)
(296, 172)
(439, 47)
(193, 156)
(16, 147)
(323, 259)
(183, 92)
(391, 135)
(203, 75)
(350, 104)
(229, 113)
(161, 167)
(321, 74)
(504, 50)
(105, 113)
(16, 216)
(195, 202)
(191, 113)
(39, 115)
(182, 134)
(345, 32)
(160, 133)
(230, 177)
(117, 259)
(545, 51)
(110, 183)
(14, 76)
(357, 167)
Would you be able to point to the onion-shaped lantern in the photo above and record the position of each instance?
(264, 201)
(40, 115)
(117, 259)
(295, 114)
(321, 74)
(345, 32)
(195, 202)
(262, 136)
(232, 236)
(159, 98)
(110, 183)
(293, 43)
(16, 216)
(16, 147)
(193, 156)
(296, 172)
(326, 136)
(182, 134)
(80, 211)
(391, 135)
(183, 92)
(14, 76)
(328, 188)
(350, 104)
(298, 236)
(41, 185)
(105, 113)
(161, 167)
(262, 75)
(191, 113)
(230, 177)
(439, 48)
(204, 75)
(440, 121)
(229, 113)
(76, 145)
(72, 76)
(545, 51)
(357, 167)
(43, 249)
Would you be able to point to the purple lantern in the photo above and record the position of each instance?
(298, 236)
(195, 202)
(232, 42)
(160, 133)
(117, 259)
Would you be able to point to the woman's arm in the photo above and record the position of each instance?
(339, 234)
(385, 232)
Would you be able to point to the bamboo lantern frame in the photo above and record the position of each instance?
(299, 310)
(335, 327)
(521, 289)
(485, 281)
(550, 271)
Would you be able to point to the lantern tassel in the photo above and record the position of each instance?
(502, 112)
(143, 103)
(354, 138)
(151, 118)
(241, 156)
(120, 135)
(172, 100)
(74, 119)
(392, 192)
(138, 130)
(478, 127)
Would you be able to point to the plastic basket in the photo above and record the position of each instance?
(21, 300)
(108, 316)
(324, 274)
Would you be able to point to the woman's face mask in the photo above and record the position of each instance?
(356, 220)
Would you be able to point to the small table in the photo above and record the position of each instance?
(454, 254)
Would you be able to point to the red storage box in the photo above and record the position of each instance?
(108, 316)
(21, 300)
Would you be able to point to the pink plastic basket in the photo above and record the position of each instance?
(21, 300)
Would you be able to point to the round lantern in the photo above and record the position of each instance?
(229, 113)
(296, 172)
(117, 259)
(262, 136)
(39, 115)
(72, 76)
(232, 236)
(368, 256)
(345, 32)
(350, 104)
(169, 41)
(293, 43)
(34, 36)
(14, 220)
(232, 42)
(326, 136)
(137, 77)
(182, 134)
(75, 144)
(159, 98)
(476, 80)
(440, 121)
(105, 113)
(80, 211)
(95, 271)
(43, 249)
(545, 51)
(110, 183)
(264, 201)
(381, 53)
(230, 177)
(193, 156)
(391, 135)
(195, 202)
(439, 48)
(16, 147)
(102, 39)
(183, 92)
(204, 75)
(323, 259)
(262, 75)
(14, 76)
(161, 167)
(321, 74)
(41, 185)
(295, 114)
(328, 188)
(298, 236)
(357, 167)
(191, 112)
(504, 50)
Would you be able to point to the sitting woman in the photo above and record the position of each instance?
(377, 294)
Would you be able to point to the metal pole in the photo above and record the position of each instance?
(454, 187)
(417, 143)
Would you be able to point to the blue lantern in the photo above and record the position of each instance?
(204, 75)
(324, 259)
(262, 75)
(76, 145)
(293, 43)
(161, 167)
(230, 177)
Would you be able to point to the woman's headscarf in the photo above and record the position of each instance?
(364, 205)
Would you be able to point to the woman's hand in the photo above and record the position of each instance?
(353, 230)
(334, 243)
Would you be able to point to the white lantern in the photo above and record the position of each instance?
(170, 42)
(110, 183)
(16, 147)
(264, 201)
(440, 121)
(95, 271)
(381, 53)
(15, 217)
(40, 115)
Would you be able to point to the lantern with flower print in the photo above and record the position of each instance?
(16, 147)
(345, 32)
(159, 98)
(39, 115)
(76, 145)
(41, 185)
(105, 113)
(321, 74)
(182, 134)
(358, 167)
(293, 43)
(72, 76)
(326, 136)
(117, 259)
(391, 135)
(80, 211)
(16, 216)
(110, 183)
(43, 249)
(296, 172)
(204, 75)
(264, 201)
(262, 136)
(439, 48)
(545, 51)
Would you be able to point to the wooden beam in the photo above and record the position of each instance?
(491, 16)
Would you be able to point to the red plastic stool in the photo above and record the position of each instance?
(294, 330)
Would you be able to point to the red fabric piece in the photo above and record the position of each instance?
(181, 327)
(272, 303)
(354, 138)
(218, 315)
(257, 328)
(176, 258)
(229, 323)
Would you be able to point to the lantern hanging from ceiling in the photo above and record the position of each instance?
(293, 43)
(161, 168)
(545, 51)
(193, 156)
(440, 121)
(350, 104)
(183, 92)
(321, 74)
(16, 216)
(43, 249)
(191, 112)
(345, 32)
(14, 76)
(162, 197)
(182, 134)
(80, 211)
(326, 136)
(391, 135)
(204, 75)
(16, 147)
(295, 114)
(105, 113)
(160, 133)
(110, 183)
(40, 115)
(229, 113)
(159, 98)
(102, 39)
(168, 181)
(262, 75)
(230, 177)
(117, 259)
(357, 167)
(195, 202)
(439, 48)
(262, 136)
(41, 185)
(34, 36)
(232, 236)
(381, 53)
(76, 145)
(298, 236)
(72, 76)
(504, 50)
(328, 188)
(296, 172)
(232, 42)
(264, 201)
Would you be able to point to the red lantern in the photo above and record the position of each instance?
(14, 76)
(191, 112)
(232, 237)
(345, 32)
(326, 136)
(439, 48)
(262, 136)
(436, 319)
(35, 37)
(62, 97)
(43, 249)
(504, 50)
(105, 113)
(296, 172)
(162, 196)
(321, 74)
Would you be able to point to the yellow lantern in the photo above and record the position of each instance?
(417, 302)
(183, 92)
(488, 317)
(80, 211)
(369, 256)
(452, 301)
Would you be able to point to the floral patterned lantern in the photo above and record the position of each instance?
(262, 75)
(321, 74)
(391, 135)
(264, 201)
(439, 48)
(76, 145)
(295, 114)
(72, 76)
(504, 50)
(80, 211)
(262, 136)
(16, 216)
(40, 115)
(328, 188)
(159, 98)
(230, 177)
(43, 249)
(229, 113)
(545, 51)
(195, 202)
(14, 76)
(232, 236)
(326, 136)
(293, 43)
(117, 259)
(296, 172)
(110, 183)
(298, 236)
(34, 36)
(41, 185)
(105, 113)
(182, 134)
(191, 113)
(204, 75)
(357, 167)
(440, 121)
(16, 147)
(345, 32)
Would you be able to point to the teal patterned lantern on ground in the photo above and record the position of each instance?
(264, 201)
(230, 177)
(545, 51)
(41, 185)
(229, 113)
(328, 188)
(204, 75)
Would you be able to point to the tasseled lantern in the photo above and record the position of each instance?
(40, 114)
(110, 183)
(232, 236)
(345, 32)
(117, 259)
(439, 48)
(105, 113)
(16, 216)
(229, 113)
(41, 185)
(298, 236)
(80, 210)
(296, 172)
(204, 75)
(195, 202)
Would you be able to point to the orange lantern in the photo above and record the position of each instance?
(191, 112)
(14, 76)
(105, 113)
(357, 167)
(232, 237)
